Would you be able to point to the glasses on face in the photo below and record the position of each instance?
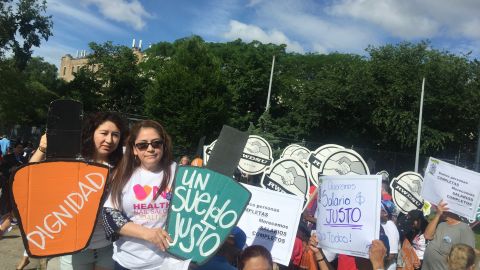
(142, 146)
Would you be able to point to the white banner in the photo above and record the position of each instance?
(348, 216)
(457, 186)
(271, 220)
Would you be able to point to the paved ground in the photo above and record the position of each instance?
(11, 251)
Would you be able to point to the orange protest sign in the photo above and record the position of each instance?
(57, 203)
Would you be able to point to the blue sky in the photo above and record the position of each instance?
(304, 25)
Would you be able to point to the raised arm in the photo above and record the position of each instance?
(39, 154)
(432, 226)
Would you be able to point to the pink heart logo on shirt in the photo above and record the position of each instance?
(141, 193)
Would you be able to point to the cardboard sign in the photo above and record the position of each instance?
(457, 186)
(204, 208)
(287, 176)
(64, 129)
(318, 157)
(301, 154)
(344, 162)
(406, 191)
(348, 213)
(256, 157)
(286, 153)
(57, 204)
(271, 220)
(207, 152)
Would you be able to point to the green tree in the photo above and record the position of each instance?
(23, 25)
(120, 77)
(25, 97)
(187, 95)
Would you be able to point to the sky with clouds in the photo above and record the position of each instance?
(315, 26)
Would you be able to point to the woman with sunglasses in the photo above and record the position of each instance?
(102, 139)
(136, 209)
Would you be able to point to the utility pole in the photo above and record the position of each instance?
(270, 86)
(419, 132)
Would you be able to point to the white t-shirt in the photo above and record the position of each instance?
(139, 207)
(393, 236)
(419, 244)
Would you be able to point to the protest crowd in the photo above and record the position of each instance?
(132, 234)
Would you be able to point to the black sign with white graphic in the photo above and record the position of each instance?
(287, 176)
(345, 162)
(407, 190)
(256, 157)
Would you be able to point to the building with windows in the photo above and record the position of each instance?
(70, 65)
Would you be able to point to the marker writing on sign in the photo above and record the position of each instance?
(194, 199)
(74, 202)
(339, 212)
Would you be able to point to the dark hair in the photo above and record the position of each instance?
(461, 257)
(91, 123)
(129, 163)
(252, 252)
(417, 215)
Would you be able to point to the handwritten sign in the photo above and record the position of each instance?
(57, 204)
(204, 208)
(271, 220)
(459, 187)
(349, 213)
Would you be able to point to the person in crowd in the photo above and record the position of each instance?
(227, 256)
(13, 160)
(443, 235)
(387, 209)
(417, 238)
(4, 145)
(140, 240)
(102, 139)
(323, 263)
(255, 257)
(184, 161)
(461, 257)
(377, 253)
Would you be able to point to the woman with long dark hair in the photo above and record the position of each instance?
(136, 209)
(103, 134)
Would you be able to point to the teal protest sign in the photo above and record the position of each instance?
(204, 208)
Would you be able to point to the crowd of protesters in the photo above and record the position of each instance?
(407, 241)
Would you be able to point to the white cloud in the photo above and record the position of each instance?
(70, 12)
(417, 18)
(249, 32)
(130, 12)
(306, 22)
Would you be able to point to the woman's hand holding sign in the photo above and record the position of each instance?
(159, 238)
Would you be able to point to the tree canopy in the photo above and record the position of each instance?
(193, 87)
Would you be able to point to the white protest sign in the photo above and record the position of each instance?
(288, 150)
(287, 176)
(344, 162)
(256, 157)
(457, 186)
(349, 213)
(271, 220)
(406, 191)
(318, 157)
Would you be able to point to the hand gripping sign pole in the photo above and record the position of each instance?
(57, 201)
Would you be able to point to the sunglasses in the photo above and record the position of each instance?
(144, 145)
